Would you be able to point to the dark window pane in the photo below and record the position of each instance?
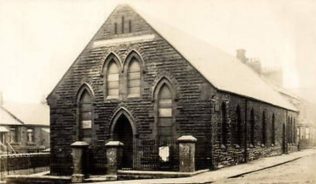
(165, 131)
(163, 122)
(85, 116)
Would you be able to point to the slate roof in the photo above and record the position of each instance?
(29, 113)
(221, 69)
(6, 118)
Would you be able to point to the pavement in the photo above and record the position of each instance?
(227, 172)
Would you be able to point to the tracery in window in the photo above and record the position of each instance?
(113, 80)
(134, 78)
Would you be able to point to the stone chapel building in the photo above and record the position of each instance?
(145, 84)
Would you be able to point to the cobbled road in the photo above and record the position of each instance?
(299, 171)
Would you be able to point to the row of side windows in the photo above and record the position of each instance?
(237, 128)
(15, 135)
(129, 83)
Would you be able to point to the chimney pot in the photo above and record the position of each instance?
(241, 55)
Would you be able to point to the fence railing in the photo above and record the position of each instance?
(27, 162)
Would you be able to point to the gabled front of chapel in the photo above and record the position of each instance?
(133, 85)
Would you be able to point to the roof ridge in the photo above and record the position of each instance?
(154, 20)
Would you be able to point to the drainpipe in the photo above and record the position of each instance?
(246, 131)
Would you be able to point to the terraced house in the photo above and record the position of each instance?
(145, 84)
(24, 128)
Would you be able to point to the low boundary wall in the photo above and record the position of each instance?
(24, 163)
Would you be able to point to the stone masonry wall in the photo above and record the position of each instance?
(232, 153)
(196, 104)
(192, 104)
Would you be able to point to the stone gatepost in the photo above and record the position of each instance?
(114, 154)
(187, 153)
(79, 150)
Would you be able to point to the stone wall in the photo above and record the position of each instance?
(232, 153)
(196, 109)
(192, 104)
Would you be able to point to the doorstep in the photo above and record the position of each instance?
(138, 174)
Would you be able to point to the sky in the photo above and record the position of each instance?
(39, 39)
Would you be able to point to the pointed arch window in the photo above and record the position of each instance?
(224, 124)
(112, 80)
(290, 130)
(238, 127)
(288, 125)
(264, 133)
(165, 116)
(85, 117)
(134, 78)
(115, 28)
(294, 131)
(252, 127)
(273, 130)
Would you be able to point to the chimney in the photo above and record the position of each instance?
(255, 64)
(241, 55)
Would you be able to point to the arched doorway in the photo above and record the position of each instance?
(123, 132)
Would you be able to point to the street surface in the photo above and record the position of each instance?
(299, 171)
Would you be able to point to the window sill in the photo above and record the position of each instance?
(112, 98)
(133, 96)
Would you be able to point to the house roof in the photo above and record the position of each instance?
(221, 69)
(6, 118)
(29, 114)
(287, 93)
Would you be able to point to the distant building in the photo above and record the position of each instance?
(7, 123)
(271, 75)
(24, 128)
(144, 83)
(306, 130)
(307, 126)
